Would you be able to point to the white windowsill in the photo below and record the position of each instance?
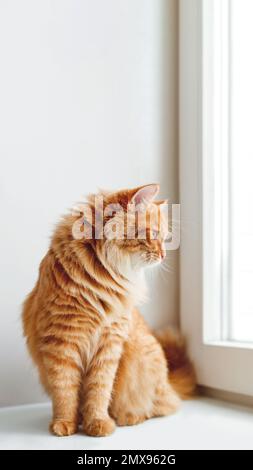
(203, 423)
(230, 344)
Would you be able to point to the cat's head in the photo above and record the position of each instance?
(134, 225)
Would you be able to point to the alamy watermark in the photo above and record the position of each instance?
(114, 222)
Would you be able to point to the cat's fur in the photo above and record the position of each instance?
(96, 356)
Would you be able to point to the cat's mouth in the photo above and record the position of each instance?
(152, 259)
(147, 259)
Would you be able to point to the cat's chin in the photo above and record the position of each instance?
(152, 264)
(139, 263)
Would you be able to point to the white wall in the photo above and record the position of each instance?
(88, 93)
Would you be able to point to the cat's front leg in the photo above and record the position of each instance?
(61, 372)
(99, 384)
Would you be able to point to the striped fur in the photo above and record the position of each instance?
(96, 357)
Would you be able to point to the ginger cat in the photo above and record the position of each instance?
(96, 356)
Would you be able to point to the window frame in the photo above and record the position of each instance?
(220, 364)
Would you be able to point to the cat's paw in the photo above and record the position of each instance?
(61, 427)
(129, 419)
(99, 427)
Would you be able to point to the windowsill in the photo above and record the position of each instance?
(231, 344)
(203, 423)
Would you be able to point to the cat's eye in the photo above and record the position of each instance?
(154, 234)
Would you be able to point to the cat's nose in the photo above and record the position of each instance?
(163, 254)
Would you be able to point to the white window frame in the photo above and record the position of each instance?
(220, 364)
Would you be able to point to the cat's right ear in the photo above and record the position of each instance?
(145, 194)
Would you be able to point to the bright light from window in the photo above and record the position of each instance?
(241, 154)
(228, 169)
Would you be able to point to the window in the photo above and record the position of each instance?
(242, 169)
(216, 163)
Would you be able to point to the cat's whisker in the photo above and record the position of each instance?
(164, 277)
(167, 269)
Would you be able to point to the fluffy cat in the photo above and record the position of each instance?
(97, 358)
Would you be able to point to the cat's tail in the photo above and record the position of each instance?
(181, 370)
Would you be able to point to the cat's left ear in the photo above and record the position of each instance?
(146, 194)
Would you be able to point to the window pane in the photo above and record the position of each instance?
(241, 154)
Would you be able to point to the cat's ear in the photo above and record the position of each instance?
(145, 195)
